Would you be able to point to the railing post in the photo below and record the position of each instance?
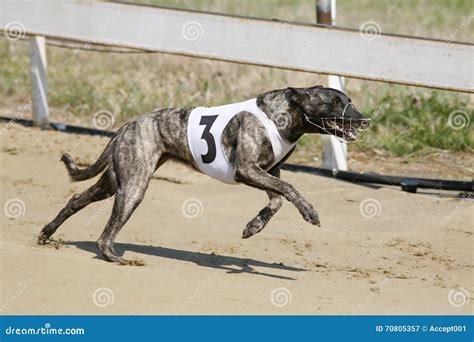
(39, 81)
(334, 152)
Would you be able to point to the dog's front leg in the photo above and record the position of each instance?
(254, 175)
(260, 221)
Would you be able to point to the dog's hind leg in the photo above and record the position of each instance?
(134, 164)
(105, 187)
(260, 221)
(128, 197)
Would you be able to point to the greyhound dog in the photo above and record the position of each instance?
(244, 143)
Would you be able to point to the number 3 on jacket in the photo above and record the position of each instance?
(207, 121)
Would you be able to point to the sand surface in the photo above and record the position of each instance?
(414, 256)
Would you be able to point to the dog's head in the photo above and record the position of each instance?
(328, 111)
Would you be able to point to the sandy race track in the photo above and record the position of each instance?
(379, 251)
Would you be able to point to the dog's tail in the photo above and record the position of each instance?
(78, 174)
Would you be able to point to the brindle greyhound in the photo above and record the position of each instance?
(141, 146)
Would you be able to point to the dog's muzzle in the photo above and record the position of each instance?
(347, 129)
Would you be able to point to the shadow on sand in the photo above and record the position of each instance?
(229, 263)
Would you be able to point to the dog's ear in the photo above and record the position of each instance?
(300, 96)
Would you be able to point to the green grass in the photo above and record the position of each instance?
(408, 123)
(14, 76)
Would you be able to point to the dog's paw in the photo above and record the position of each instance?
(253, 227)
(42, 240)
(250, 231)
(311, 215)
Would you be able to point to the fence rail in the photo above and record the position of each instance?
(388, 58)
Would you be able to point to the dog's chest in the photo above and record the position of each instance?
(205, 128)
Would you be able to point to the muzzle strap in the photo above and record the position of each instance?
(364, 123)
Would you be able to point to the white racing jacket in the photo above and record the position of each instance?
(205, 127)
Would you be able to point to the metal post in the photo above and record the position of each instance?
(334, 152)
(39, 82)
